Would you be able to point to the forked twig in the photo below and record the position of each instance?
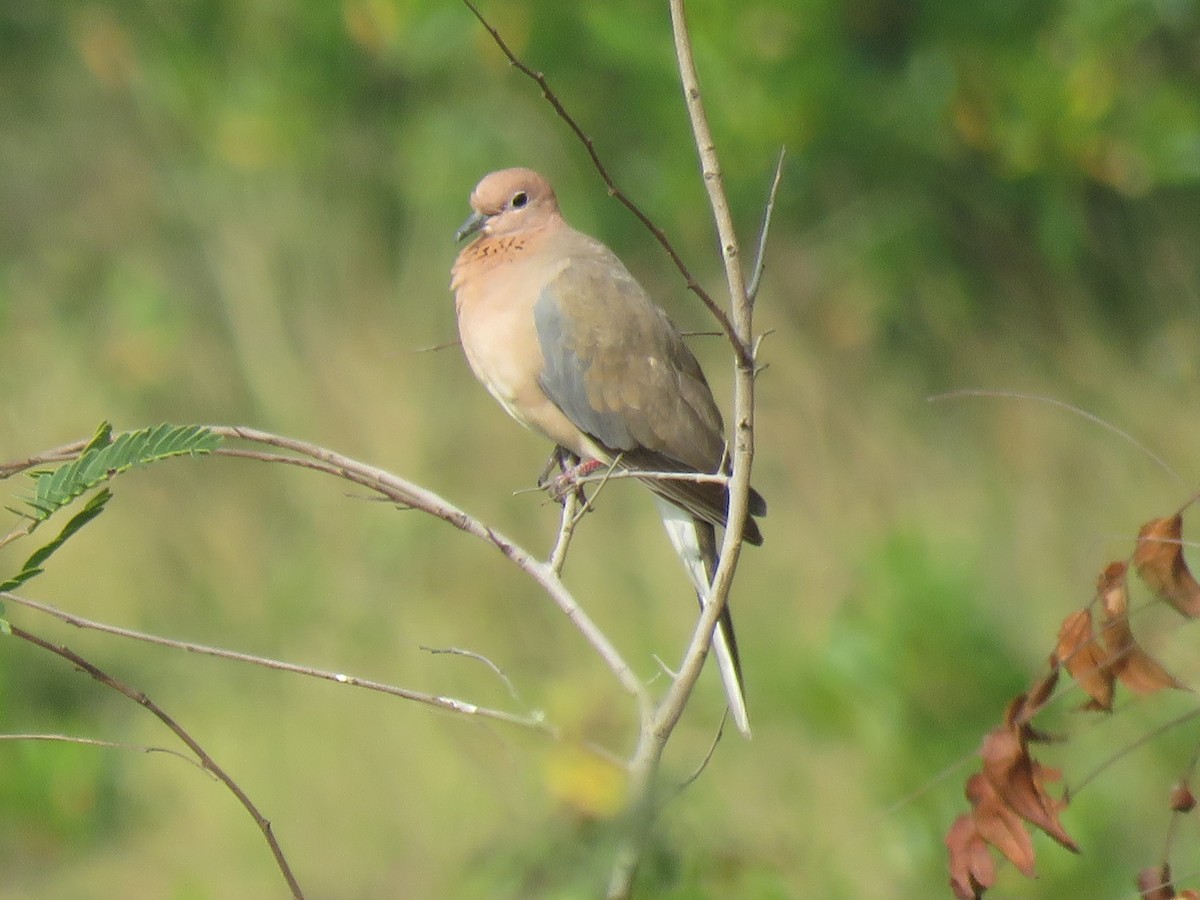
(446, 704)
(202, 755)
(106, 745)
(409, 494)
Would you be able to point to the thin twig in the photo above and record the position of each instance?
(740, 347)
(448, 704)
(568, 519)
(695, 477)
(712, 749)
(58, 454)
(1061, 404)
(109, 745)
(613, 474)
(589, 502)
(206, 761)
(471, 654)
(760, 262)
(1177, 815)
(434, 348)
(1135, 745)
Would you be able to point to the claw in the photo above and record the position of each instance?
(560, 458)
(559, 486)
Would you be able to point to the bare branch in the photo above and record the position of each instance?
(672, 705)
(1069, 407)
(471, 654)
(447, 704)
(568, 519)
(712, 749)
(645, 763)
(1125, 751)
(695, 477)
(760, 262)
(739, 346)
(409, 494)
(206, 761)
(613, 474)
(58, 454)
(109, 745)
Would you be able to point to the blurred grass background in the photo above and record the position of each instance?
(242, 212)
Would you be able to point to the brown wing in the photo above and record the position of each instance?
(620, 371)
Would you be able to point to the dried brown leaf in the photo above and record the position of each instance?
(1078, 651)
(999, 825)
(972, 869)
(1133, 666)
(1160, 563)
(1020, 782)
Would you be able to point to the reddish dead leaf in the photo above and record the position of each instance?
(972, 869)
(1154, 883)
(1020, 781)
(999, 825)
(1025, 706)
(1182, 798)
(1113, 590)
(1160, 563)
(1078, 651)
(1135, 668)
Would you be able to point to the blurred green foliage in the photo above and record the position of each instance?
(219, 211)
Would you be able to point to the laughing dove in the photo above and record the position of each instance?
(560, 333)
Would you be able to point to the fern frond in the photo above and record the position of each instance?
(33, 565)
(105, 457)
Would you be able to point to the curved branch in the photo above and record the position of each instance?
(104, 745)
(447, 704)
(310, 456)
(412, 495)
(206, 761)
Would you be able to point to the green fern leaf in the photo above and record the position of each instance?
(105, 457)
(33, 565)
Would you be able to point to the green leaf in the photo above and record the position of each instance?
(105, 457)
(33, 565)
(102, 437)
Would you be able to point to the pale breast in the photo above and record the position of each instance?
(499, 339)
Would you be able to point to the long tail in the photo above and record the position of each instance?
(695, 542)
